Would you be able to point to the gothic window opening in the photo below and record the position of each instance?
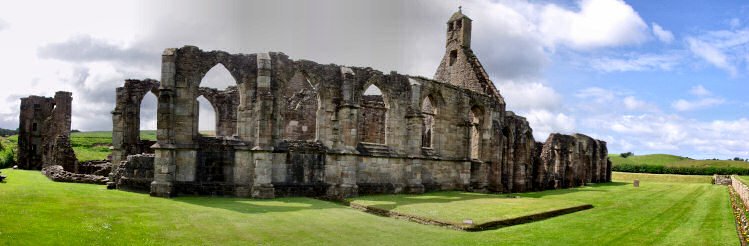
(210, 121)
(148, 112)
(428, 110)
(372, 116)
(474, 117)
(206, 117)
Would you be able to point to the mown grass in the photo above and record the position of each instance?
(671, 178)
(36, 211)
(453, 206)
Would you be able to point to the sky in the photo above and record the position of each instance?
(667, 76)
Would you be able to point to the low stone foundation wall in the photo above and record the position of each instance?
(58, 174)
(135, 174)
(738, 195)
(101, 168)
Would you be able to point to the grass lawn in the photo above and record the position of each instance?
(36, 211)
(647, 177)
(454, 206)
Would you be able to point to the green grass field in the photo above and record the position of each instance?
(674, 161)
(36, 211)
(454, 206)
(95, 145)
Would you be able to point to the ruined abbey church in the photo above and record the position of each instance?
(299, 128)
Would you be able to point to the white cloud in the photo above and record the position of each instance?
(636, 62)
(725, 49)
(670, 133)
(599, 95)
(527, 96)
(711, 54)
(545, 122)
(700, 91)
(684, 105)
(598, 23)
(662, 35)
(631, 103)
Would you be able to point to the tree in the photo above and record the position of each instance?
(626, 154)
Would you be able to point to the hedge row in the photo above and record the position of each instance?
(644, 168)
(7, 155)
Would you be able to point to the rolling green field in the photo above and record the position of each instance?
(95, 145)
(674, 161)
(36, 211)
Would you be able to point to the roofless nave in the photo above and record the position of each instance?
(295, 127)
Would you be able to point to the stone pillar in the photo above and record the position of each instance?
(164, 162)
(244, 170)
(341, 168)
(262, 186)
(340, 175)
(414, 124)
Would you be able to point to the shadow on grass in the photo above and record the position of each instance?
(252, 206)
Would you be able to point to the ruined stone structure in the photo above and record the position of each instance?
(44, 141)
(296, 127)
(42, 120)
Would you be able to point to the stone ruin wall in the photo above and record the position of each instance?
(298, 128)
(305, 129)
(44, 141)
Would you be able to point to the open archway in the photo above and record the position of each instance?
(217, 108)
(206, 117)
(372, 116)
(218, 77)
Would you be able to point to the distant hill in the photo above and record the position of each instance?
(674, 161)
(7, 132)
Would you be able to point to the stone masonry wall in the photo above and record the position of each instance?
(304, 128)
(42, 120)
(135, 173)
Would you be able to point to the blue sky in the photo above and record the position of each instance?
(646, 76)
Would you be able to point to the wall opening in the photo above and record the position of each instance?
(218, 77)
(428, 110)
(148, 112)
(300, 112)
(458, 24)
(206, 117)
(372, 115)
(475, 116)
(34, 127)
(453, 57)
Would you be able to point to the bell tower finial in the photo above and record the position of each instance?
(459, 29)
